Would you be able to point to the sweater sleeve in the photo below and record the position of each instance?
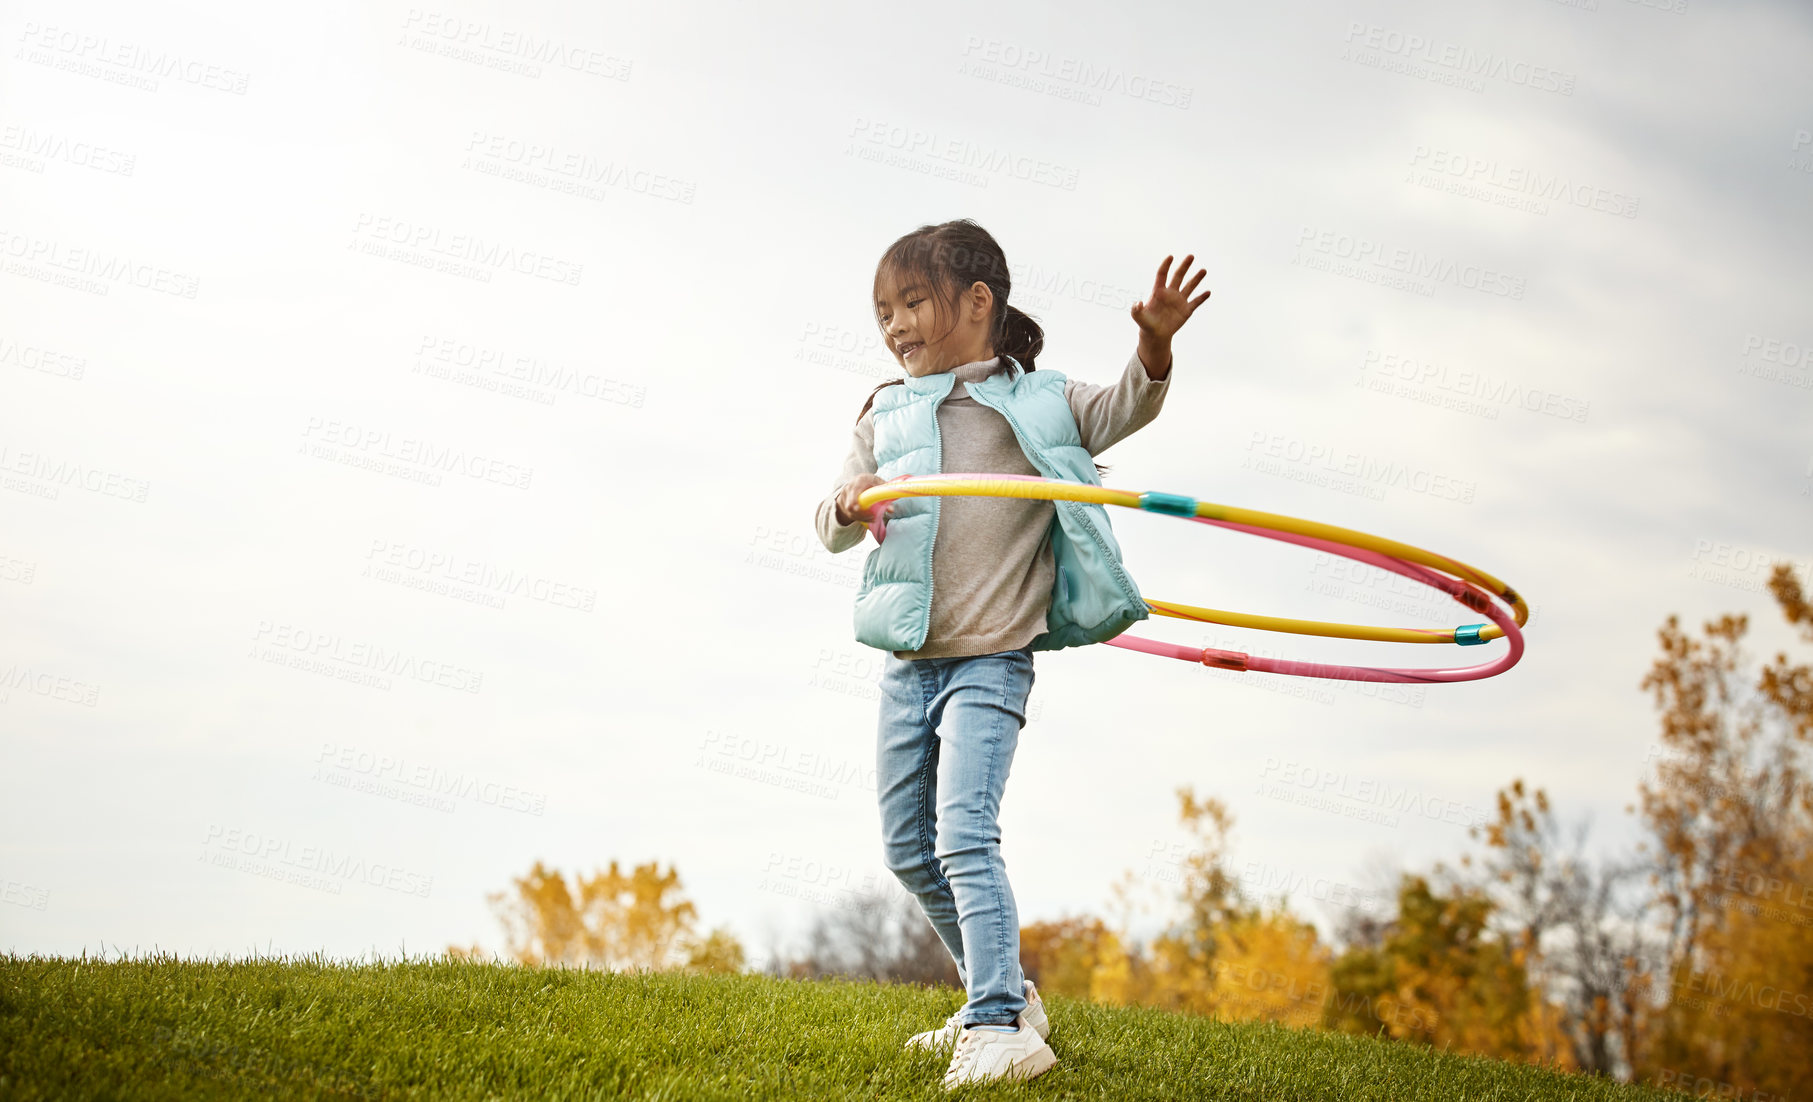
(861, 460)
(1106, 415)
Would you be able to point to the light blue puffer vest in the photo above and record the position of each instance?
(1093, 599)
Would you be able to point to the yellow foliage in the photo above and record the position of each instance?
(1731, 815)
(1223, 957)
(1111, 980)
(1742, 1015)
(718, 952)
(1734, 794)
(611, 920)
(1270, 967)
(1063, 956)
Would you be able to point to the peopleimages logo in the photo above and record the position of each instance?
(46, 476)
(1777, 361)
(1458, 59)
(1742, 567)
(420, 783)
(458, 253)
(1473, 384)
(1045, 285)
(1410, 262)
(1367, 471)
(126, 63)
(1490, 172)
(517, 374)
(573, 171)
(1065, 77)
(316, 867)
(27, 148)
(94, 271)
(455, 574)
(51, 686)
(32, 357)
(957, 154)
(422, 460)
(1799, 159)
(332, 654)
(510, 49)
(1291, 774)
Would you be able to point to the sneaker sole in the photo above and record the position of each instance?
(1037, 1064)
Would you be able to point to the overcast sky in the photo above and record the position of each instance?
(411, 419)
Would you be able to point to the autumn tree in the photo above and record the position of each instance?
(1579, 927)
(1177, 970)
(874, 937)
(1270, 966)
(1692, 962)
(1224, 954)
(611, 920)
(1729, 815)
(1063, 955)
(1439, 976)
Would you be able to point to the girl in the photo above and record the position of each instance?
(1011, 576)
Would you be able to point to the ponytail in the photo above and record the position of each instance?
(1019, 336)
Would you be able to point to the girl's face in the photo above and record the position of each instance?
(919, 331)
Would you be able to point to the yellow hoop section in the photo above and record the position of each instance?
(1171, 504)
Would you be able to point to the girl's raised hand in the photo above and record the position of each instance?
(1169, 305)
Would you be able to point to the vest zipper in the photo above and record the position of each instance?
(937, 512)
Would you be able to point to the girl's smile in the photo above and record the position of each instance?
(960, 325)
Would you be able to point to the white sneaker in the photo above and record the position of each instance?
(935, 1040)
(1034, 1014)
(983, 1054)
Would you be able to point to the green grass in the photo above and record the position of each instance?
(167, 1028)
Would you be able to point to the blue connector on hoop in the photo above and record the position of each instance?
(1177, 505)
(1468, 636)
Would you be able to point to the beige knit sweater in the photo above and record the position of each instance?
(992, 556)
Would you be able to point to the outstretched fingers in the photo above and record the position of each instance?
(1168, 287)
(1158, 284)
(1182, 270)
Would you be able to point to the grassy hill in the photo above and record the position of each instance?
(167, 1028)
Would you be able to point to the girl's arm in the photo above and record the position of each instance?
(1104, 415)
(1107, 414)
(861, 460)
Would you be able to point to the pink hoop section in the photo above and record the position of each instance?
(1469, 595)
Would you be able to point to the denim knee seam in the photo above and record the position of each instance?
(994, 736)
(927, 850)
(923, 814)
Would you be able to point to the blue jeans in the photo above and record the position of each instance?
(946, 742)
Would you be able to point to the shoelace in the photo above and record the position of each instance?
(969, 1050)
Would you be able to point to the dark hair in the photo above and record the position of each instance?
(949, 258)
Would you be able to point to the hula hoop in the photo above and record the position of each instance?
(1472, 587)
